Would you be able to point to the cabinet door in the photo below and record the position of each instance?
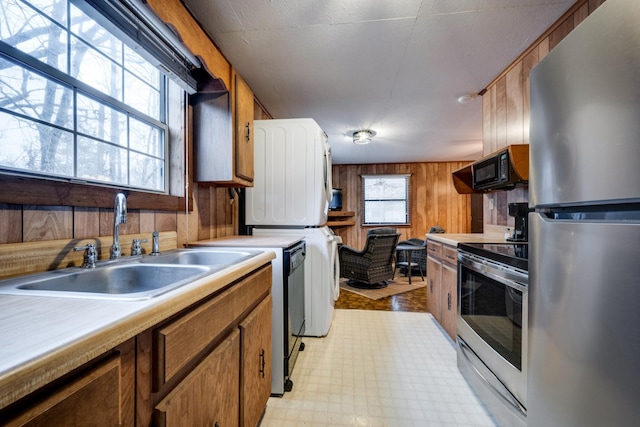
(434, 269)
(244, 130)
(449, 299)
(208, 396)
(256, 363)
(101, 395)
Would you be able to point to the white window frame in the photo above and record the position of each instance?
(368, 199)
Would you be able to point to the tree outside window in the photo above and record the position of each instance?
(76, 102)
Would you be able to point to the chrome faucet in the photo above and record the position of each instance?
(119, 217)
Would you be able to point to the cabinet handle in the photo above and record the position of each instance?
(248, 131)
(216, 424)
(430, 285)
(449, 301)
(262, 362)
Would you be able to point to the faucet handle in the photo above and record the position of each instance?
(136, 247)
(90, 255)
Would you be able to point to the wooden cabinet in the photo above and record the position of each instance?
(442, 285)
(243, 137)
(203, 366)
(434, 272)
(449, 290)
(208, 394)
(101, 393)
(223, 136)
(255, 364)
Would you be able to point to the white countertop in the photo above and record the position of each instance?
(43, 338)
(281, 241)
(453, 239)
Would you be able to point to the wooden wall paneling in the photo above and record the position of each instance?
(47, 223)
(594, 4)
(132, 226)
(86, 222)
(164, 221)
(501, 113)
(543, 49)
(148, 221)
(10, 223)
(528, 62)
(561, 32)
(487, 116)
(580, 14)
(420, 206)
(514, 105)
(204, 212)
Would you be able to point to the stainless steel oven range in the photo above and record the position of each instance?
(492, 326)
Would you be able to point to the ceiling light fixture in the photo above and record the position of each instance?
(364, 136)
(467, 97)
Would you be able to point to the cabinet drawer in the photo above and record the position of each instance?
(184, 338)
(434, 249)
(450, 255)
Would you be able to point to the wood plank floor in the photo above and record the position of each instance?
(408, 301)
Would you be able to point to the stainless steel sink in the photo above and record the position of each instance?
(119, 281)
(210, 257)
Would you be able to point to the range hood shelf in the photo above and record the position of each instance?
(518, 158)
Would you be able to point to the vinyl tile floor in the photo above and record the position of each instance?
(378, 368)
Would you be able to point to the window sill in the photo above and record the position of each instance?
(33, 191)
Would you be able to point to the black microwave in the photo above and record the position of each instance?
(493, 172)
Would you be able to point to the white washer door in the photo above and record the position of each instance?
(335, 262)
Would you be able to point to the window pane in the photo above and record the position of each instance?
(54, 9)
(101, 162)
(141, 96)
(26, 30)
(385, 188)
(95, 69)
(144, 172)
(95, 35)
(28, 93)
(101, 121)
(31, 146)
(141, 67)
(145, 138)
(385, 212)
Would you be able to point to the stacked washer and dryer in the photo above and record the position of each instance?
(290, 196)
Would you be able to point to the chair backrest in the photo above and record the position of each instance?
(380, 246)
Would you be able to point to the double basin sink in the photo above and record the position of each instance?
(133, 279)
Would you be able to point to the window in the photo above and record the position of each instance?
(386, 199)
(78, 100)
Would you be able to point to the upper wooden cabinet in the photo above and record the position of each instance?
(223, 136)
(243, 130)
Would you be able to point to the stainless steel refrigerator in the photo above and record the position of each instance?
(584, 324)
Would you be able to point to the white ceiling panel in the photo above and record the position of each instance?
(396, 67)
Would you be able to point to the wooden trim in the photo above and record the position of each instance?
(567, 15)
(33, 191)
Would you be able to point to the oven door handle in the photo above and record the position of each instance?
(493, 270)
